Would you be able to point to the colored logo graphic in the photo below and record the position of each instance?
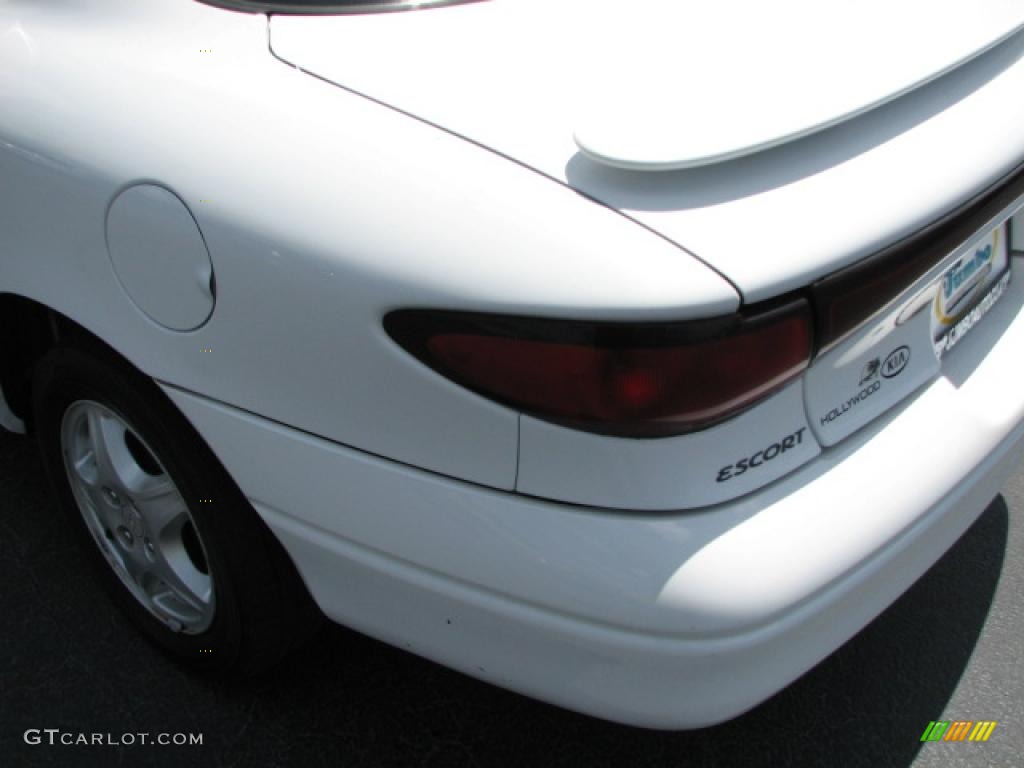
(958, 730)
(963, 280)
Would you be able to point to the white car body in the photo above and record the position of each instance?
(648, 162)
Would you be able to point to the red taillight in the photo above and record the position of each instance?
(634, 379)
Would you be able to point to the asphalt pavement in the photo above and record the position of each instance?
(949, 649)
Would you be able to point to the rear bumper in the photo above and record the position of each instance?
(667, 620)
(650, 680)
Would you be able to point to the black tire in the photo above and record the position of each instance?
(261, 609)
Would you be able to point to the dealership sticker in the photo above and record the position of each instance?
(946, 342)
(968, 289)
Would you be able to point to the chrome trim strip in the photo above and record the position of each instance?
(846, 300)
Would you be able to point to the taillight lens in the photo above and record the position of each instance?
(631, 379)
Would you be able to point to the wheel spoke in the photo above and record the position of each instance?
(145, 487)
(193, 589)
(136, 567)
(100, 439)
(161, 506)
(85, 467)
(107, 515)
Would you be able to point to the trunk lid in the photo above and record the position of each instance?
(732, 109)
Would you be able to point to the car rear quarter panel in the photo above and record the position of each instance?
(321, 210)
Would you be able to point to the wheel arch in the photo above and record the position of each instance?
(28, 330)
